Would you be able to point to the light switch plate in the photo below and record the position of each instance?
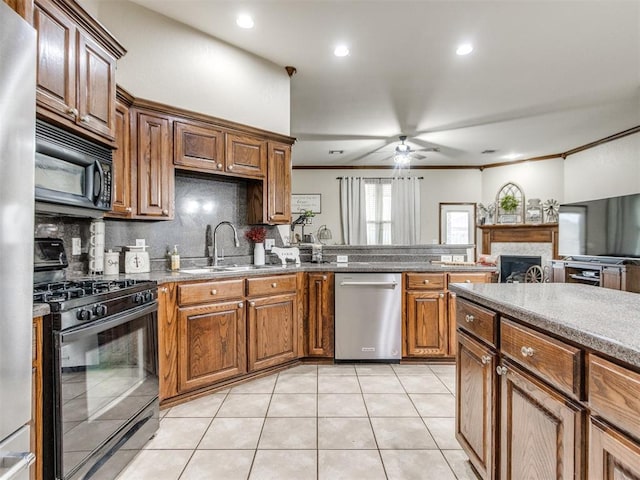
(342, 258)
(140, 242)
(268, 243)
(446, 258)
(76, 246)
(458, 258)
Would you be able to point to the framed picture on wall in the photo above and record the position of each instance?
(301, 202)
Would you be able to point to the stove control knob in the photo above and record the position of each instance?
(148, 296)
(138, 299)
(100, 310)
(83, 315)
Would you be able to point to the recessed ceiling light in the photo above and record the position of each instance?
(341, 51)
(244, 21)
(336, 152)
(464, 49)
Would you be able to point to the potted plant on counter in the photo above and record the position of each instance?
(257, 236)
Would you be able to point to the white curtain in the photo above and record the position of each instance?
(405, 206)
(353, 210)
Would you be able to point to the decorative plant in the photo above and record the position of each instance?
(509, 203)
(256, 234)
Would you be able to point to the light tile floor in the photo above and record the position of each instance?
(352, 422)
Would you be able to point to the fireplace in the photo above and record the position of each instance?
(513, 268)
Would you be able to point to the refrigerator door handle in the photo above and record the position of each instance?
(18, 461)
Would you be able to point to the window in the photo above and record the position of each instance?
(457, 223)
(378, 211)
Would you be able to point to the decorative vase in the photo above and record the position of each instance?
(258, 254)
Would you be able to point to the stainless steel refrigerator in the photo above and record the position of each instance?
(17, 147)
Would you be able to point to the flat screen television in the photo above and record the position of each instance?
(606, 227)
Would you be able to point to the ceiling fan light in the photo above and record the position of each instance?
(401, 159)
(244, 21)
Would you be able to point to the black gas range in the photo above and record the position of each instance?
(75, 302)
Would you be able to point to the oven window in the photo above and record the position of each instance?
(106, 379)
(59, 175)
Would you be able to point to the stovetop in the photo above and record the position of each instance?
(67, 290)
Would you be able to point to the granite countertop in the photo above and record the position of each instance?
(372, 267)
(41, 309)
(601, 319)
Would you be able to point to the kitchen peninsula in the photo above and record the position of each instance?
(548, 380)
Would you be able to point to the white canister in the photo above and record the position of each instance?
(96, 247)
(111, 263)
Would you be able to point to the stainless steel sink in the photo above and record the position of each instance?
(229, 268)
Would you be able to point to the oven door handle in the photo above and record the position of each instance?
(95, 328)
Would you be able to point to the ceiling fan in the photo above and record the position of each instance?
(403, 154)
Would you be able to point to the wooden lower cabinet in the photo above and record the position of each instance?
(36, 399)
(211, 344)
(273, 331)
(427, 328)
(320, 315)
(541, 429)
(612, 455)
(475, 403)
(168, 340)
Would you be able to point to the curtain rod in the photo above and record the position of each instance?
(381, 178)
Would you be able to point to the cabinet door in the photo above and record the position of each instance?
(279, 183)
(541, 430)
(612, 455)
(56, 74)
(475, 404)
(611, 278)
(121, 193)
(427, 327)
(96, 88)
(168, 340)
(155, 180)
(273, 331)
(36, 398)
(246, 156)
(211, 344)
(199, 148)
(451, 320)
(320, 315)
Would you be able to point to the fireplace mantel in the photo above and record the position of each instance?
(520, 232)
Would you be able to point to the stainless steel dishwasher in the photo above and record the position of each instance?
(368, 316)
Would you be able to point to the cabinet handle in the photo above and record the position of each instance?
(72, 111)
(219, 166)
(84, 118)
(485, 359)
(253, 304)
(527, 351)
(324, 277)
(453, 295)
(240, 304)
(425, 282)
(271, 217)
(128, 209)
(469, 318)
(214, 292)
(163, 289)
(230, 167)
(165, 212)
(500, 370)
(274, 285)
(442, 295)
(467, 281)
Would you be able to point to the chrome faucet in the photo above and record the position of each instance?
(216, 259)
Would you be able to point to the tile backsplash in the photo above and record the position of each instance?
(199, 202)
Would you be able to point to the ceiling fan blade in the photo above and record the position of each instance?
(375, 150)
(417, 156)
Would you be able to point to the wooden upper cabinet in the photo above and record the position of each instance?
(198, 148)
(121, 195)
(245, 156)
(154, 168)
(76, 85)
(279, 183)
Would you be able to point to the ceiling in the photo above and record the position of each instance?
(544, 77)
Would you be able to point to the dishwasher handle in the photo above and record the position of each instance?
(392, 284)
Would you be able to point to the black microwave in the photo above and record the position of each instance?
(72, 175)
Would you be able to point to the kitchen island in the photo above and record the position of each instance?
(548, 380)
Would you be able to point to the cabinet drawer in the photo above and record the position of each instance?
(614, 393)
(425, 281)
(477, 320)
(554, 361)
(207, 292)
(469, 278)
(271, 285)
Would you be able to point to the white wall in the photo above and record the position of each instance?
(608, 170)
(437, 186)
(171, 63)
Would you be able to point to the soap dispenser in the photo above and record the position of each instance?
(175, 258)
